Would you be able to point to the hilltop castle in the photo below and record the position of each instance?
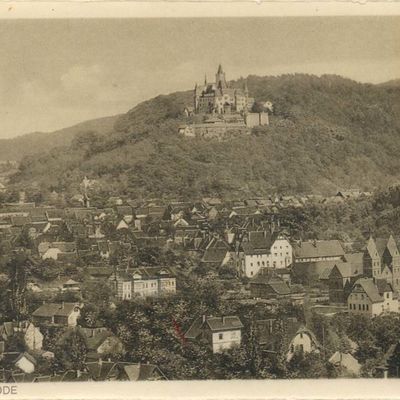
(218, 98)
(222, 112)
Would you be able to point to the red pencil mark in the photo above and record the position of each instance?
(179, 332)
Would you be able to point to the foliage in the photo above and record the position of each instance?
(323, 132)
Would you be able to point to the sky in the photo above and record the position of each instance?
(55, 73)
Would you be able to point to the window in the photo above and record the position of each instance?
(387, 295)
(363, 307)
(367, 307)
(359, 307)
(301, 336)
(263, 263)
(251, 273)
(220, 336)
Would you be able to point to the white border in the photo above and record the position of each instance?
(373, 389)
(193, 9)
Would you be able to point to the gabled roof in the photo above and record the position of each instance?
(356, 261)
(370, 289)
(269, 278)
(392, 247)
(214, 255)
(318, 248)
(214, 324)
(345, 269)
(54, 309)
(269, 331)
(371, 248)
(99, 371)
(142, 372)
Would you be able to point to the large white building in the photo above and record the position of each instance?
(260, 249)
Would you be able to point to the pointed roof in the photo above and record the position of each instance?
(392, 246)
(220, 71)
(371, 247)
(370, 289)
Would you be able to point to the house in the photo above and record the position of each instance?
(315, 259)
(382, 260)
(139, 372)
(340, 281)
(287, 335)
(123, 371)
(345, 364)
(304, 341)
(101, 342)
(33, 338)
(261, 249)
(31, 334)
(318, 250)
(26, 363)
(372, 297)
(121, 283)
(152, 281)
(266, 284)
(65, 314)
(58, 250)
(217, 254)
(220, 332)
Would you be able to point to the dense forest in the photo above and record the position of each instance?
(325, 133)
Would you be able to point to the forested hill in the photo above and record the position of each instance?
(37, 142)
(326, 133)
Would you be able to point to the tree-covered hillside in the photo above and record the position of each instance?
(325, 133)
(38, 142)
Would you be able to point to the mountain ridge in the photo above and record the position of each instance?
(14, 149)
(326, 132)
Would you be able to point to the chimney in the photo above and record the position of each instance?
(204, 318)
(223, 320)
(100, 362)
(62, 306)
(78, 373)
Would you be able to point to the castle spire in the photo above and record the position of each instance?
(205, 79)
(220, 78)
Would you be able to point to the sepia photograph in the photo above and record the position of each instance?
(190, 199)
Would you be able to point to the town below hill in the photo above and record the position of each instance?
(261, 288)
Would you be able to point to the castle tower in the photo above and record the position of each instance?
(220, 80)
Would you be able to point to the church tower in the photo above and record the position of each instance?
(220, 80)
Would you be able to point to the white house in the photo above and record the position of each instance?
(304, 341)
(373, 297)
(33, 337)
(26, 363)
(222, 333)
